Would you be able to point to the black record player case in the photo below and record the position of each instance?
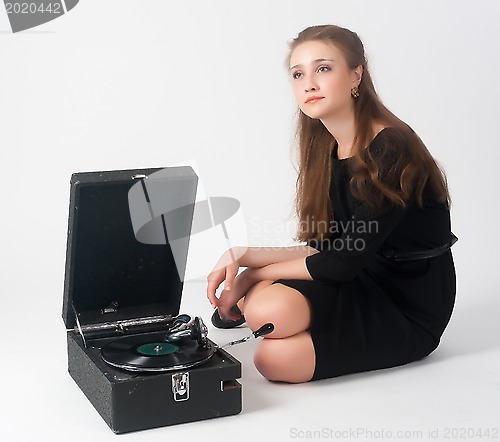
(128, 238)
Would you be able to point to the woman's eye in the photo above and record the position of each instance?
(319, 69)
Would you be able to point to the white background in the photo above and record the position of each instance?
(130, 84)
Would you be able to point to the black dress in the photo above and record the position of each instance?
(369, 311)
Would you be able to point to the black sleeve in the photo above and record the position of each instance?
(351, 251)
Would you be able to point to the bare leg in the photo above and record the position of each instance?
(287, 354)
(284, 306)
(257, 286)
(291, 359)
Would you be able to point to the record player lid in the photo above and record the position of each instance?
(127, 244)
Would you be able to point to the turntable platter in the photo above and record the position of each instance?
(151, 352)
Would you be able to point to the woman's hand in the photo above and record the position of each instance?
(239, 289)
(235, 287)
(226, 269)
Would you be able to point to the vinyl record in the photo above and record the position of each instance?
(151, 352)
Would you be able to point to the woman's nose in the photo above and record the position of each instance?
(311, 86)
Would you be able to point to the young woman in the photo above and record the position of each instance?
(374, 286)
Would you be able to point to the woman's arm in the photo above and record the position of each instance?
(277, 262)
(263, 256)
(292, 269)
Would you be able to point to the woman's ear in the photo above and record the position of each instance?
(358, 75)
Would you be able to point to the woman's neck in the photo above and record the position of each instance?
(342, 127)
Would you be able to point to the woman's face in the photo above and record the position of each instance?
(319, 69)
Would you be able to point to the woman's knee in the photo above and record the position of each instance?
(289, 359)
(257, 287)
(286, 308)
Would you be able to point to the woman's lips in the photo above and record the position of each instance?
(314, 100)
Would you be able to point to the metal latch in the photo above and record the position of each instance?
(180, 386)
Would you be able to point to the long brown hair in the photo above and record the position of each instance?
(396, 174)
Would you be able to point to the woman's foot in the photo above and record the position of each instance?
(228, 323)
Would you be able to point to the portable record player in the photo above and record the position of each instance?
(140, 363)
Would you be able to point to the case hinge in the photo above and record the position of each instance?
(180, 386)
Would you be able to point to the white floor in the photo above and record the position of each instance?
(446, 396)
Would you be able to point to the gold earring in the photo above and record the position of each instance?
(355, 92)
